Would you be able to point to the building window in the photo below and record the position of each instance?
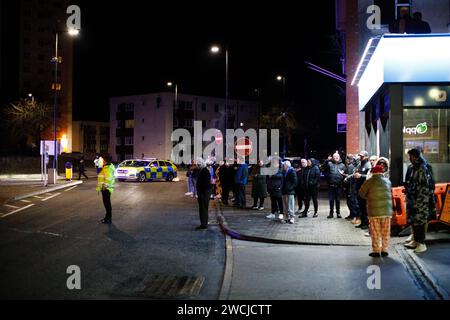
(203, 107)
(129, 141)
(126, 107)
(216, 108)
(129, 124)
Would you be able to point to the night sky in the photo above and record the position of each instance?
(135, 47)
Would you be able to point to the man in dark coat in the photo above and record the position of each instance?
(204, 190)
(226, 181)
(311, 178)
(350, 189)
(334, 169)
(300, 191)
(259, 187)
(274, 187)
(289, 186)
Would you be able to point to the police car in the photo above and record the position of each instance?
(146, 170)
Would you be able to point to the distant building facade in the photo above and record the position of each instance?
(142, 125)
(90, 138)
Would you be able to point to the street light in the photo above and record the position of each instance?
(170, 85)
(282, 79)
(216, 50)
(56, 60)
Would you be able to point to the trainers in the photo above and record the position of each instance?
(356, 221)
(106, 221)
(316, 215)
(367, 234)
(255, 208)
(201, 228)
(282, 221)
(411, 245)
(271, 216)
(188, 194)
(291, 221)
(410, 238)
(280, 217)
(339, 216)
(330, 216)
(420, 248)
(261, 208)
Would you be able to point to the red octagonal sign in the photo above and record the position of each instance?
(244, 147)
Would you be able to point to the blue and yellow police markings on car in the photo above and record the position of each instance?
(142, 170)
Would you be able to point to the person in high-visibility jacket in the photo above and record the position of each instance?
(105, 185)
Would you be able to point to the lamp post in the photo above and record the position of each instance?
(282, 79)
(216, 50)
(170, 85)
(56, 60)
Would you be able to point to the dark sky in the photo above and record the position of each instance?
(135, 47)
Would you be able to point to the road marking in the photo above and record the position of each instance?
(11, 206)
(16, 211)
(37, 197)
(25, 201)
(51, 197)
(71, 188)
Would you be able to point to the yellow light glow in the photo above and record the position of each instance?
(74, 32)
(64, 143)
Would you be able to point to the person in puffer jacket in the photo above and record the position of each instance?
(274, 188)
(289, 186)
(378, 192)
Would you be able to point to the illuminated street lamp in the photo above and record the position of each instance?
(170, 85)
(57, 60)
(216, 50)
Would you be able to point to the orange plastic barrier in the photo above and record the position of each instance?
(399, 204)
(439, 195)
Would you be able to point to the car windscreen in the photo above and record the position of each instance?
(140, 164)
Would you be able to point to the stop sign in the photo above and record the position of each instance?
(244, 147)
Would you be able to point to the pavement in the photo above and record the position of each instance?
(311, 231)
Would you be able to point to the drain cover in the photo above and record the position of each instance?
(170, 286)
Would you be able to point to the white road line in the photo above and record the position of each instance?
(51, 197)
(25, 201)
(16, 211)
(11, 206)
(37, 197)
(71, 188)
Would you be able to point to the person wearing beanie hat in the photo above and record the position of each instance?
(378, 193)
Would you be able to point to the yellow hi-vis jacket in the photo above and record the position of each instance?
(106, 178)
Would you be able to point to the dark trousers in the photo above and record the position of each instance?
(362, 204)
(203, 206)
(241, 195)
(277, 204)
(419, 232)
(82, 173)
(106, 195)
(98, 170)
(225, 193)
(261, 202)
(301, 198)
(312, 193)
(334, 196)
(352, 204)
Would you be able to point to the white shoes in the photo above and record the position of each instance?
(280, 217)
(271, 216)
(188, 194)
(261, 208)
(410, 238)
(411, 245)
(420, 248)
(291, 221)
(255, 208)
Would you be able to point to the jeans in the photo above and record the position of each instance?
(241, 195)
(334, 196)
(289, 205)
(277, 204)
(312, 192)
(190, 185)
(352, 204)
(194, 186)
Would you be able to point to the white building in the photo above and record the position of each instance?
(142, 125)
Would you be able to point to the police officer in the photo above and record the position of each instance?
(105, 185)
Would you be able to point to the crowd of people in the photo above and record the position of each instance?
(361, 179)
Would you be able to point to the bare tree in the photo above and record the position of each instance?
(27, 119)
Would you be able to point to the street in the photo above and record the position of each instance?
(151, 251)
(151, 238)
